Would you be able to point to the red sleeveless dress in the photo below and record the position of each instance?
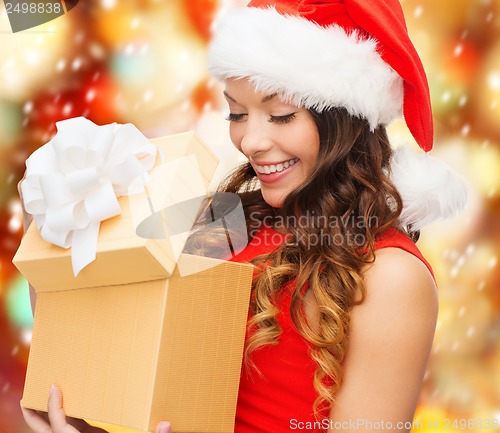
(282, 396)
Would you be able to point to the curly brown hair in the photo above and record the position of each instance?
(351, 187)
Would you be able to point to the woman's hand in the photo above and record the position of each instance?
(57, 422)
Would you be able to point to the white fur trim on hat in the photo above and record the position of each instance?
(430, 189)
(306, 64)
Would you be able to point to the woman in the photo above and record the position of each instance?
(343, 306)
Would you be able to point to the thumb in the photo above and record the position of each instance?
(56, 413)
(163, 427)
(55, 398)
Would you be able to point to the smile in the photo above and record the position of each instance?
(268, 169)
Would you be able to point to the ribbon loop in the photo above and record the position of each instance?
(72, 182)
(80, 182)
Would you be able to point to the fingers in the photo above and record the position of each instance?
(55, 421)
(163, 427)
(57, 417)
(35, 421)
(58, 420)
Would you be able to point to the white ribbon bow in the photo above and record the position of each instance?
(72, 182)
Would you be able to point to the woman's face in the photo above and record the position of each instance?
(280, 140)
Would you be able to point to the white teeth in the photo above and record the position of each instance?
(268, 169)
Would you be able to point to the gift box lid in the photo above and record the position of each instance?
(189, 143)
(184, 168)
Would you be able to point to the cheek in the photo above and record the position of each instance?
(310, 153)
(314, 140)
(314, 152)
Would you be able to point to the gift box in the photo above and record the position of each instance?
(143, 333)
(184, 170)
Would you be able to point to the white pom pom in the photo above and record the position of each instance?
(430, 189)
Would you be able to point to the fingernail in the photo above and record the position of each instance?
(52, 389)
(165, 428)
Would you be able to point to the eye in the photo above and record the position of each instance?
(232, 117)
(282, 119)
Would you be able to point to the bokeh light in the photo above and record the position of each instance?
(144, 61)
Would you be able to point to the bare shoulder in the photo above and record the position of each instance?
(401, 301)
(397, 277)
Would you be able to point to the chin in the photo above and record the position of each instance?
(274, 200)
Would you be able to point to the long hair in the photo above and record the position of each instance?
(333, 219)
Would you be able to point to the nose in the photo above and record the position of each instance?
(256, 138)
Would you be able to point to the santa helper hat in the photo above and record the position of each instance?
(354, 54)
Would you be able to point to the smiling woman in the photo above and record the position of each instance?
(318, 229)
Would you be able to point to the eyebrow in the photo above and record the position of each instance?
(264, 99)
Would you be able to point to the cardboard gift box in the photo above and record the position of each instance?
(143, 333)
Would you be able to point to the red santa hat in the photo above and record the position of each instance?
(354, 54)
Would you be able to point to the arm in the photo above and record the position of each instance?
(390, 341)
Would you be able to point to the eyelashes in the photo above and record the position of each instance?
(232, 117)
(282, 119)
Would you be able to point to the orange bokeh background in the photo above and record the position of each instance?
(144, 61)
